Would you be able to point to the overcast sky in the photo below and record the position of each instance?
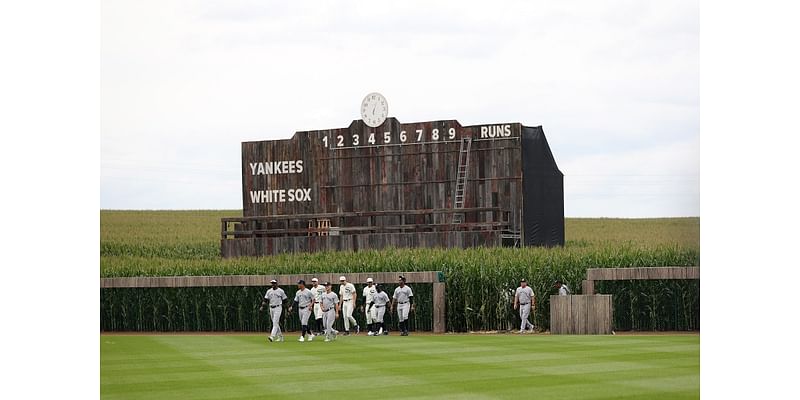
(615, 85)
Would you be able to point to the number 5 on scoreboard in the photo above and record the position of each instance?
(387, 137)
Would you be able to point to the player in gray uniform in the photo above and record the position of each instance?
(330, 311)
(304, 301)
(524, 300)
(318, 291)
(274, 298)
(379, 301)
(403, 299)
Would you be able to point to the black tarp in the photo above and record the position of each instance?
(543, 192)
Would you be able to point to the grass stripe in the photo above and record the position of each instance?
(449, 366)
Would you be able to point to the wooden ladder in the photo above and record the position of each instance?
(461, 179)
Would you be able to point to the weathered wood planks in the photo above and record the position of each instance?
(636, 273)
(259, 246)
(581, 315)
(355, 174)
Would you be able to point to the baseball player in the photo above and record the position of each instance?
(524, 300)
(402, 298)
(274, 298)
(563, 290)
(318, 291)
(330, 311)
(368, 293)
(379, 301)
(347, 303)
(303, 300)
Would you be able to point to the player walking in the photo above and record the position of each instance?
(318, 291)
(379, 301)
(402, 298)
(524, 300)
(303, 300)
(330, 311)
(274, 298)
(368, 293)
(347, 303)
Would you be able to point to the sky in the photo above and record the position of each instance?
(614, 84)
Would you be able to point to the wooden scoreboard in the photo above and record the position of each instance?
(382, 183)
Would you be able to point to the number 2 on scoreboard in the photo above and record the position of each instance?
(339, 140)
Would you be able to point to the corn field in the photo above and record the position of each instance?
(212, 309)
(479, 281)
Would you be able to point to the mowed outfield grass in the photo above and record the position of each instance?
(423, 366)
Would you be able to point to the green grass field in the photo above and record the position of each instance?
(441, 367)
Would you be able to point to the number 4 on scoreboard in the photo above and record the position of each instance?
(371, 139)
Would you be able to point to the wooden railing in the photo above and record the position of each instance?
(246, 227)
(636, 273)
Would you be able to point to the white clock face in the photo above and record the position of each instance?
(374, 109)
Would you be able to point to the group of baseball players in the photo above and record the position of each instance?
(327, 305)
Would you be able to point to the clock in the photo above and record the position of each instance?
(374, 109)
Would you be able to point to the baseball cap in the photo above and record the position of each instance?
(273, 281)
(369, 280)
(402, 278)
(522, 280)
(341, 278)
(314, 280)
(301, 282)
(326, 284)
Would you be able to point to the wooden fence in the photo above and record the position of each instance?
(581, 314)
(624, 274)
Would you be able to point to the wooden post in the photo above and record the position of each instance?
(439, 307)
(588, 286)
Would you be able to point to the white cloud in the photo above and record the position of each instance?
(185, 82)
